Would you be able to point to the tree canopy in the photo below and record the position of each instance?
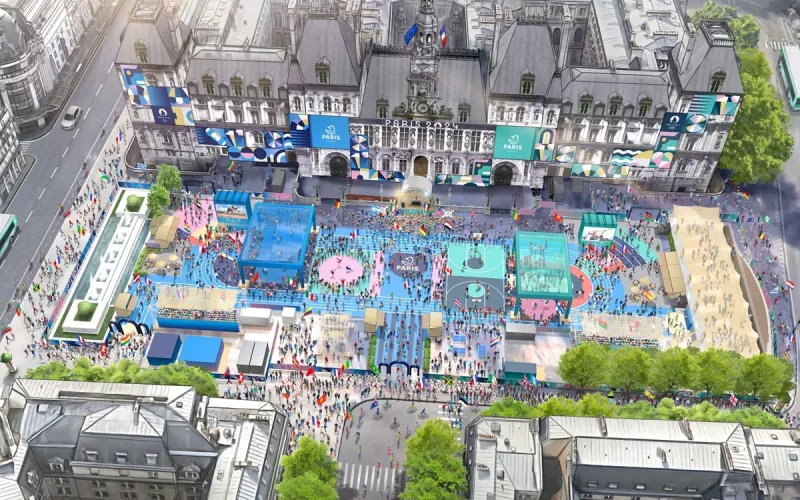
(595, 405)
(170, 177)
(309, 473)
(584, 365)
(157, 200)
(433, 463)
(744, 28)
(128, 372)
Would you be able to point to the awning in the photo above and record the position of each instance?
(671, 273)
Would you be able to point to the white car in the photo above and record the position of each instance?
(71, 117)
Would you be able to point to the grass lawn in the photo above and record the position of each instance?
(373, 346)
(61, 334)
(119, 200)
(85, 311)
(134, 203)
(137, 269)
(426, 357)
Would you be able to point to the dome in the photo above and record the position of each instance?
(12, 40)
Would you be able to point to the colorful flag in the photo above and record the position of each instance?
(375, 370)
(447, 225)
(6, 330)
(458, 303)
(734, 399)
(423, 231)
(373, 405)
(103, 350)
(80, 340)
(36, 288)
(602, 323)
(443, 36)
(231, 166)
(337, 204)
(786, 356)
(490, 378)
(473, 380)
(421, 382)
(503, 321)
(494, 342)
(427, 206)
(187, 227)
(648, 295)
(310, 371)
(762, 236)
(104, 177)
(18, 310)
(307, 312)
(136, 278)
(67, 213)
(346, 365)
(411, 33)
(354, 234)
(629, 189)
(79, 228)
(180, 294)
(227, 372)
(321, 400)
(337, 373)
(149, 282)
(746, 195)
(557, 217)
(649, 395)
(790, 284)
(649, 216)
(560, 309)
(515, 214)
(766, 219)
(125, 340)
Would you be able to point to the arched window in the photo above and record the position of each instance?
(551, 116)
(585, 104)
(382, 107)
(526, 85)
(717, 79)
(614, 105)
(323, 69)
(557, 36)
(520, 117)
(578, 38)
(327, 104)
(142, 52)
(271, 118)
(208, 84)
(310, 104)
(238, 86)
(536, 114)
(346, 105)
(150, 80)
(463, 111)
(455, 167)
(277, 21)
(192, 87)
(644, 107)
(296, 103)
(500, 114)
(265, 87)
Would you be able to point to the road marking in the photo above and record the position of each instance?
(28, 217)
(42, 193)
(76, 133)
(98, 91)
(87, 112)
(110, 68)
(65, 152)
(54, 172)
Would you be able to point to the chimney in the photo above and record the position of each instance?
(689, 48)
(172, 19)
(292, 8)
(355, 9)
(136, 411)
(566, 30)
(498, 30)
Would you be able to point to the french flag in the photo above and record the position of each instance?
(443, 36)
(474, 379)
(458, 303)
(790, 284)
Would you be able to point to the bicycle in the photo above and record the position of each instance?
(387, 405)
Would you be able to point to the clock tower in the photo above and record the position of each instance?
(423, 81)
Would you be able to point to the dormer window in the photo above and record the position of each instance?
(500, 114)
(613, 106)
(296, 103)
(56, 464)
(238, 86)
(327, 104)
(644, 107)
(323, 69)
(265, 87)
(463, 112)
(142, 52)
(585, 104)
(208, 84)
(717, 79)
(520, 114)
(526, 85)
(382, 107)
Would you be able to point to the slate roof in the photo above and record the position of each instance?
(629, 84)
(334, 40)
(708, 57)
(523, 46)
(157, 37)
(250, 65)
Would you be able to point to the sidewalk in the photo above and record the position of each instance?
(46, 296)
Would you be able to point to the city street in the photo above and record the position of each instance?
(59, 157)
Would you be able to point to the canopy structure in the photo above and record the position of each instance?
(163, 229)
(672, 274)
(598, 229)
(543, 268)
(276, 243)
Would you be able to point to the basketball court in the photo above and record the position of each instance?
(478, 277)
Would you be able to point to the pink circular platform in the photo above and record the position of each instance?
(340, 267)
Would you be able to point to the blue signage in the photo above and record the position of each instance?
(330, 132)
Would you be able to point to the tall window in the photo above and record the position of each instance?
(458, 140)
(455, 167)
(717, 79)
(526, 87)
(141, 52)
(346, 105)
(369, 131)
(551, 116)
(323, 69)
(327, 104)
(386, 163)
(382, 107)
(644, 106)
(224, 90)
(475, 141)
(238, 86)
(438, 138)
(463, 112)
(252, 92)
(520, 115)
(585, 104)
(272, 118)
(265, 88)
(386, 137)
(403, 137)
(500, 114)
(296, 103)
(614, 105)
(208, 84)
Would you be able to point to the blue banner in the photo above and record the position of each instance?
(411, 33)
(330, 132)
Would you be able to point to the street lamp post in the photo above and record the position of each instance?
(8, 359)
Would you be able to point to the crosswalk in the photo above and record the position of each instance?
(779, 44)
(356, 476)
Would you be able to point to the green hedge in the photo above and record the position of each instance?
(373, 347)
(138, 269)
(134, 203)
(85, 311)
(426, 359)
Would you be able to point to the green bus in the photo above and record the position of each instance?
(9, 228)
(789, 68)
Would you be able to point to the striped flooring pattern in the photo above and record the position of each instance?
(357, 476)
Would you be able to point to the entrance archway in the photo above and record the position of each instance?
(339, 166)
(421, 166)
(502, 175)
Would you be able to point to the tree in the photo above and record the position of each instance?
(596, 405)
(638, 410)
(630, 369)
(306, 487)
(510, 407)
(169, 177)
(584, 366)
(559, 406)
(157, 200)
(759, 143)
(744, 29)
(433, 462)
(717, 371)
(713, 10)
(754, 63)
(311, 457)
(762, 376)
(674, 368)
(128, 372)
